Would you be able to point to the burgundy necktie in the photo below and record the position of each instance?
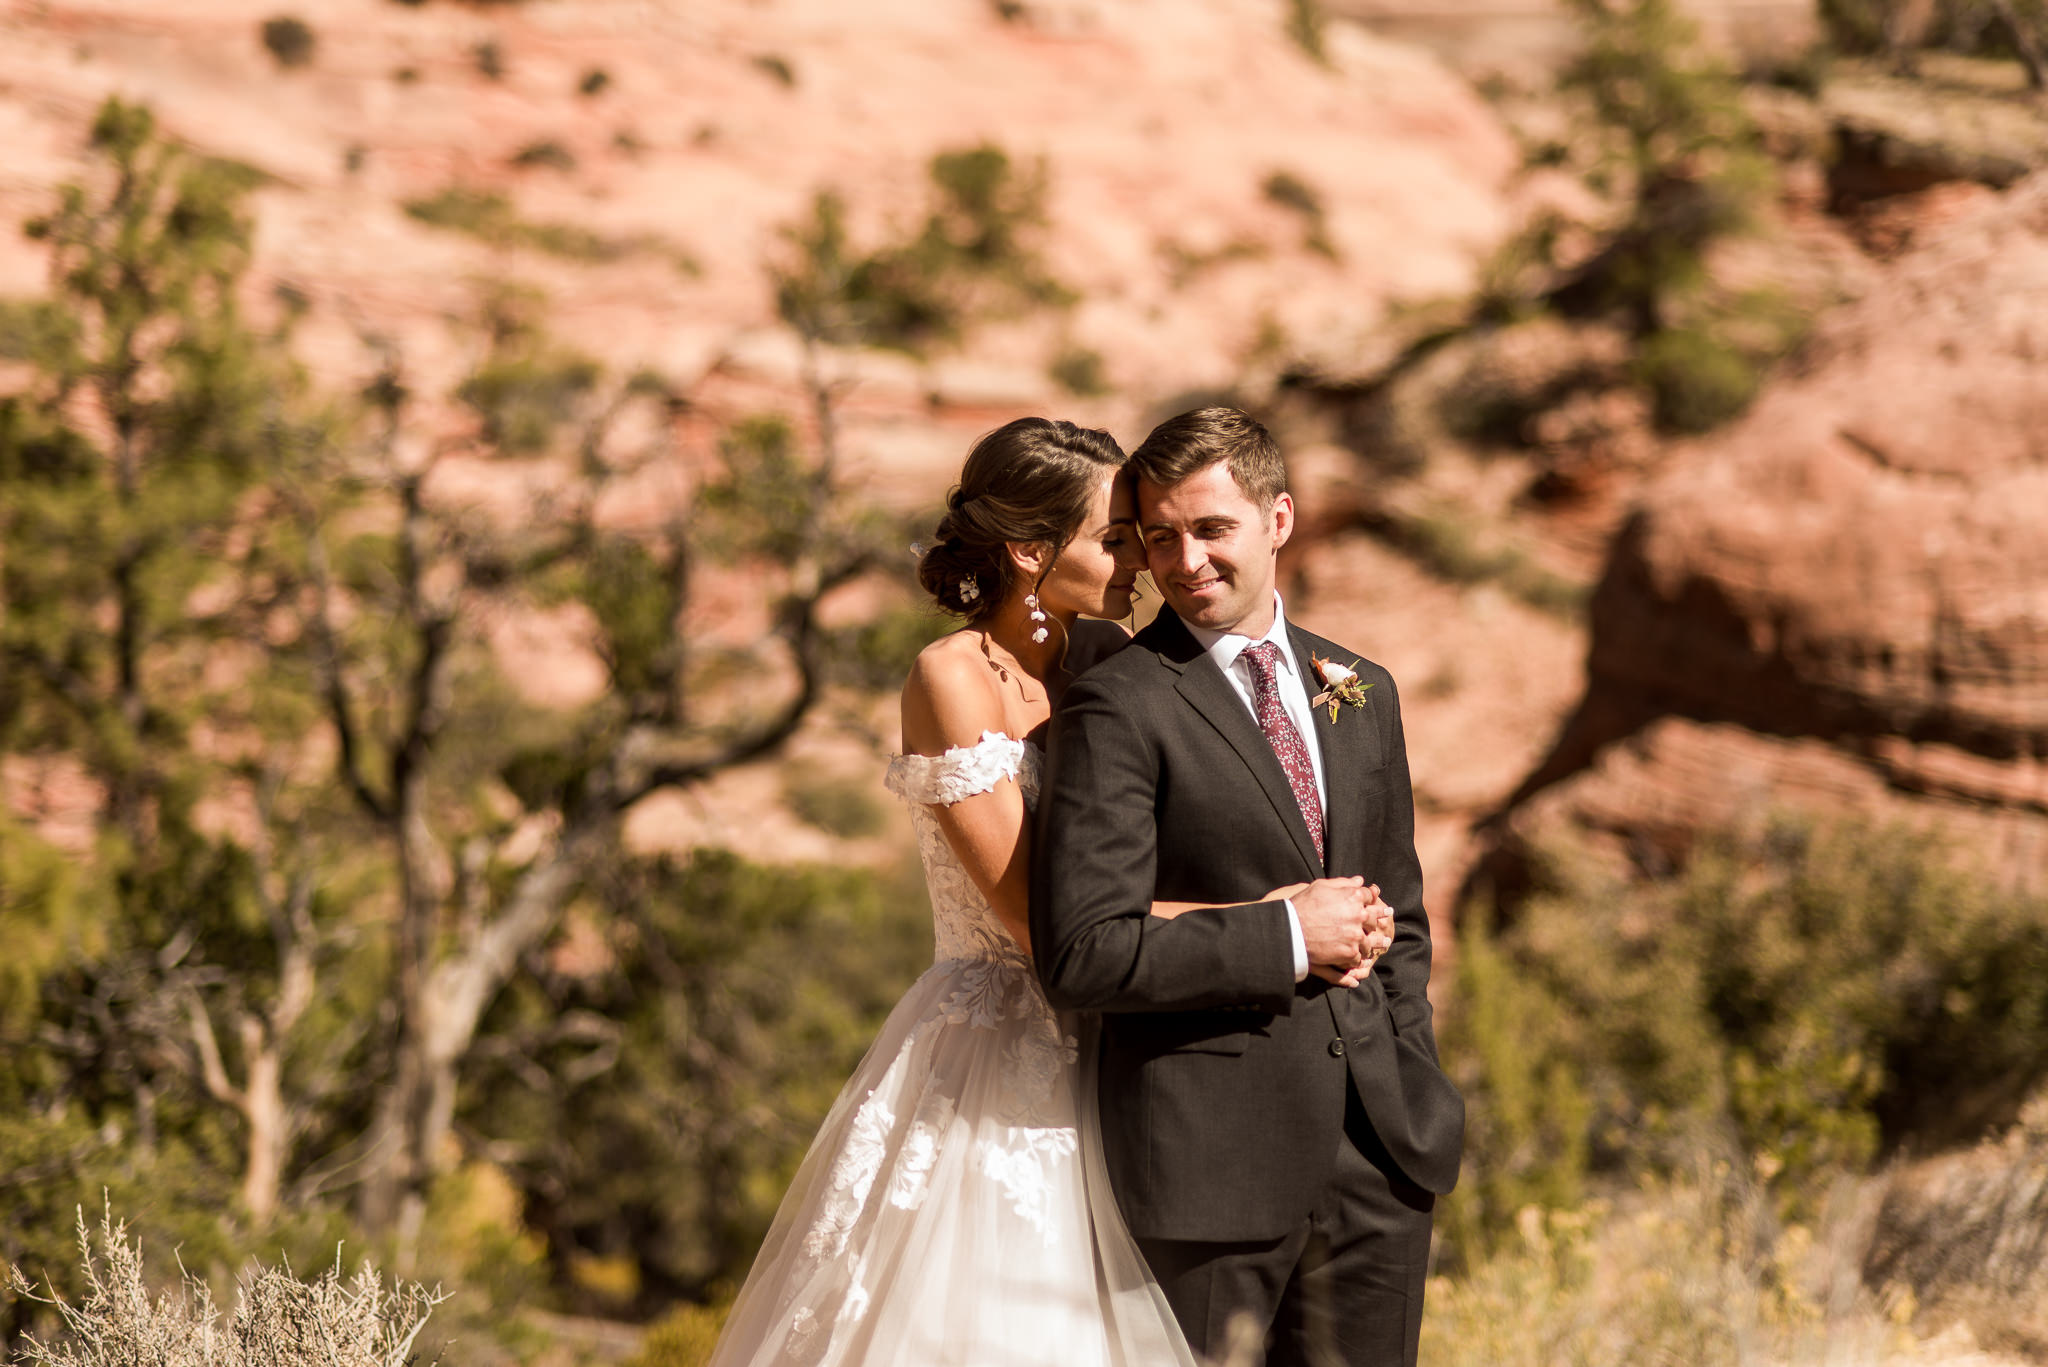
(1264, 658)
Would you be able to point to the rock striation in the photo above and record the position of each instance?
(1842, 601)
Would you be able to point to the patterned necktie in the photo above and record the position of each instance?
(1281, 734)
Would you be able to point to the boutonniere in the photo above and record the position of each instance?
(1340, 685)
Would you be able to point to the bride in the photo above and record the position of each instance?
(954, 1208)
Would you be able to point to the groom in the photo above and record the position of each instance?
(1274, 1119)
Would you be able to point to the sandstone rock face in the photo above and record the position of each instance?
(1843, 600)
(1157, 124)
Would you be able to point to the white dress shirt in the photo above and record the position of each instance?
(1227, 649)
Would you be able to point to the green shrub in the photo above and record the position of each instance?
(545, 152)
(289, 40)
(1804, 998)
(524, 395)
(876, 655)
(480, 213)
(682, 1338)
(489, 59)
(1290, 191)
(679, 1086)
(1305, 24)
(1079, 370)
(848, 810)
(777, 68)
(594, 82)
(1526, 1134)
(1696, 380)
(491, 216)
(974, 256)
(1449, 547)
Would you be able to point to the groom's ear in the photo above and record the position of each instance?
(1282, 519)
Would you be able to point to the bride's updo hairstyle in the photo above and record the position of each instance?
(1029, 481)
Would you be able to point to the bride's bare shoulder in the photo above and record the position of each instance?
(951, 695)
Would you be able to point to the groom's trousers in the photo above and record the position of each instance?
(1342, 1290)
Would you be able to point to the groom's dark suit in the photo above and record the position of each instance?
(1238, 1105)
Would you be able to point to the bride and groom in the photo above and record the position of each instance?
(1173, 1063)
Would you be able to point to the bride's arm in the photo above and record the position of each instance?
(948, 702)
(1169, 910)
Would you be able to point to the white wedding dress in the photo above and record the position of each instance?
(954, 1210)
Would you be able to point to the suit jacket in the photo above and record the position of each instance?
(1223, 1081)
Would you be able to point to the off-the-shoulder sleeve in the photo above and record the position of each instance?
(960, 773)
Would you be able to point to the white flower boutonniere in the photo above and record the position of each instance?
(1340, 685)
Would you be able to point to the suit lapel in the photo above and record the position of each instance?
(1346, 745)
(1206, 690)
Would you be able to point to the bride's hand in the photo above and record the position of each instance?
(1281, 894)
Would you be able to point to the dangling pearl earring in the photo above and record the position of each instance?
(1037, 615)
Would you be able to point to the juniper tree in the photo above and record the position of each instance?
(1681, 156)
(138, 459)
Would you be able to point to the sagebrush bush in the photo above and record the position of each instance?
(279, 1321)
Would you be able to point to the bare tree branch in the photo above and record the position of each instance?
(333, 687)
(212, 1071)
(802, 632)
(2026, 40)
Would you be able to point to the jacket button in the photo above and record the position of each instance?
(1336, 1048)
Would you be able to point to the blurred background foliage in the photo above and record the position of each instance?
(1796, 1002)
(405, 990)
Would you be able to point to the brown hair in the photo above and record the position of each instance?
(1196, 440)
(1029, 481)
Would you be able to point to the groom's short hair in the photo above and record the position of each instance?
(1192, 442)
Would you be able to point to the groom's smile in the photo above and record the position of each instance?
(1211, 549)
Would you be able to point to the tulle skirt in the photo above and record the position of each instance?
(954, 1210)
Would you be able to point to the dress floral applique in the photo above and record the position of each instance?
(952, 1207)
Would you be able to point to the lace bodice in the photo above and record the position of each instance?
(960, 1134)
(964, 926)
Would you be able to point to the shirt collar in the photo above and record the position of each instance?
(1225, 646)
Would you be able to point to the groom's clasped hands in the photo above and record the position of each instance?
(1345, 927)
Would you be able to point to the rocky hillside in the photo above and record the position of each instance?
(1219, 204)
(1841, 603)
(672, 142)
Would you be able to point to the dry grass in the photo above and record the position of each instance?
(279, 1321)
(1695, 1273)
